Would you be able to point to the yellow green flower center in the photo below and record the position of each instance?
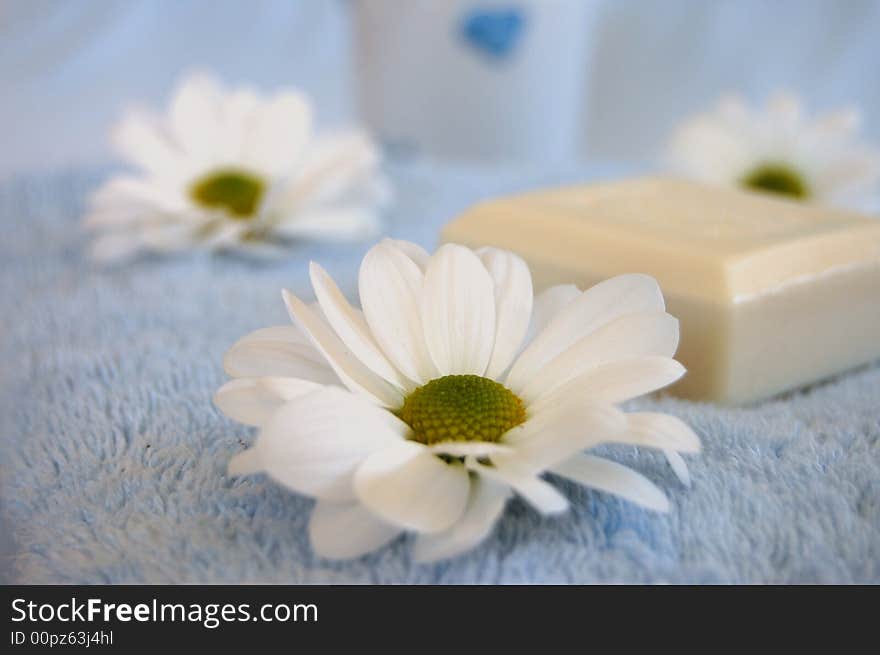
(461, 408)
(238, 192)
(776, 178)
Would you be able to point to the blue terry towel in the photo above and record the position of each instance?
(113, 458)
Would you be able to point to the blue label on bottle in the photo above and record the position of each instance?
(494, 32)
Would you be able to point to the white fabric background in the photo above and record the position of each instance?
(67, 68)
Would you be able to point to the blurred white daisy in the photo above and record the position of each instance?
(231, 169)
(449, 392)
(778, 150)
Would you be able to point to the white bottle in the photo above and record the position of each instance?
(475, 79)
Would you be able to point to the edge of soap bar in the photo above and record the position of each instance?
(712, 292)
(803, 334)
(770, 270)
(729, 258)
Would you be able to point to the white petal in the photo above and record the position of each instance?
(335, 168)
(125, 219)
(662, 431)
(353, 373)
(513, 305)
(712, 149)
(548, 304)
(539, 494)
(113, 248)
(469, 448)
(596, 307)
(251, 246)
(167, 237)
(124, 190)
(156, 236)
(252, 401)
(237, 114)
(560, 431)
(414, 251)
(605, 475)
(140, 139)
(485, 505)
(837, 127)
(247, 462)
(280, 133)
(330, 224)
(350, 326)
(125, 201)
(732, 108)
(409, 486)
(850, 178)
(314, 443)
(347, 530)
(458, 311)
(282, 351)
(195, 116)
(628, 337)
(371, 189)
(679, 467)
(785, 108)
(390, 286)
(219, 233)
(617, 381)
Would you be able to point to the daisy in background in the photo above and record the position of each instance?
(778, 150)
(235, 170)
(452, 389)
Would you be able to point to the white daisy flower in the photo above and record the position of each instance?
(232, 169)
(779, 150)
(450, 391)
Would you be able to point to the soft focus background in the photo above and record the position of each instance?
(68, 68)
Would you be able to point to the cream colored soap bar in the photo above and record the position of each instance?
(771, 294)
